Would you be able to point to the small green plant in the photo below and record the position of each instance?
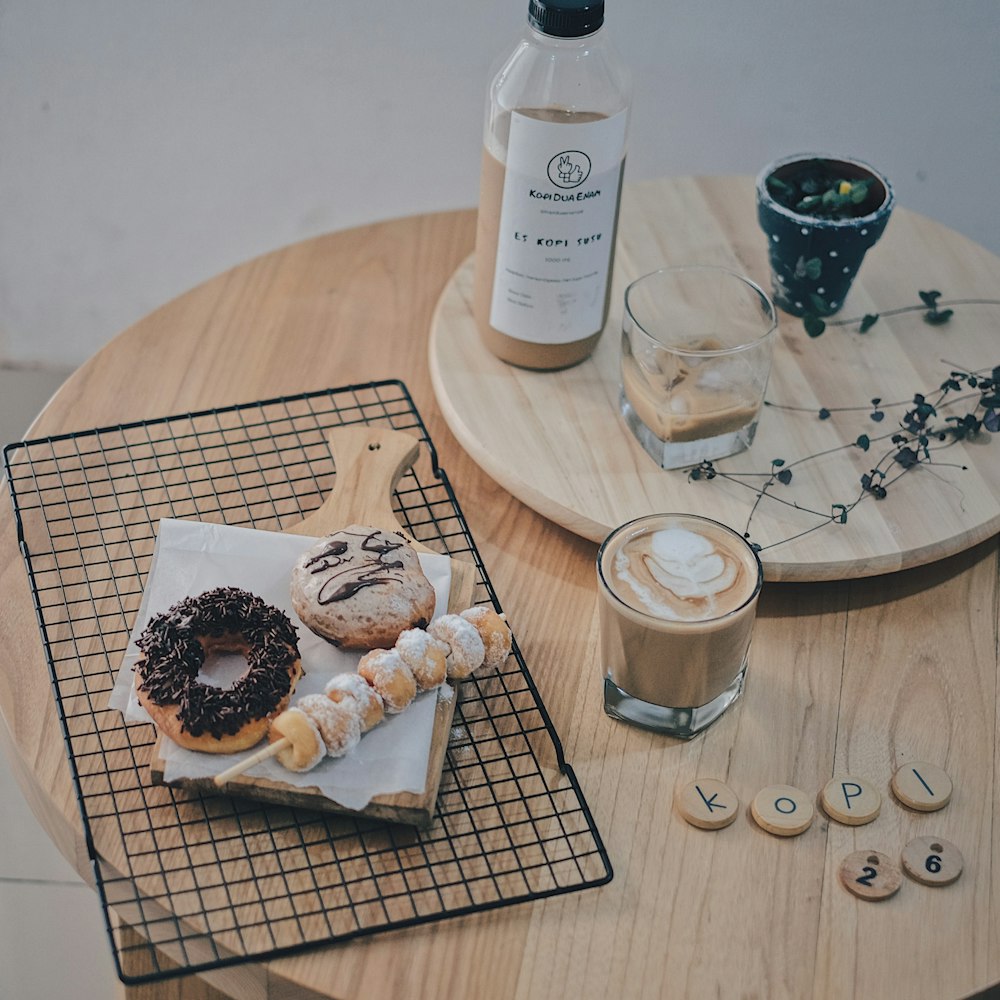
(816, 189)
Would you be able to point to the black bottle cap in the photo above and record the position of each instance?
(566, 18)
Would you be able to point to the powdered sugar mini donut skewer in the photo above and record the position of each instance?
(301, 736)
(451, 648)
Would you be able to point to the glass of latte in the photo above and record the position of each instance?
(695, 359)
(677, 596)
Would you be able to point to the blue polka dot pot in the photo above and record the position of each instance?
(814, 260)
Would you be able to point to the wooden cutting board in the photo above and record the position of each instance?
(555, 440)
(369, 462)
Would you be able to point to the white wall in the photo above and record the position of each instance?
(146, 145)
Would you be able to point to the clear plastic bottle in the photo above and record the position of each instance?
(553, 157)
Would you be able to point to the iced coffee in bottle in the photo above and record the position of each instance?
(553, 158)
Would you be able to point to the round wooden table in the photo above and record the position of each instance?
(854, 677)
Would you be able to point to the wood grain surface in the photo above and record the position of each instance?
(556, 440)
(846, 677)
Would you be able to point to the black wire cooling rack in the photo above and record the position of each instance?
(190, 882)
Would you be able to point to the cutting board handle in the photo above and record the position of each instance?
(369, 462)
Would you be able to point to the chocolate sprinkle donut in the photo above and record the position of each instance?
(174, 647)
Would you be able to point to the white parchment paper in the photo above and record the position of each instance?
(191, 557)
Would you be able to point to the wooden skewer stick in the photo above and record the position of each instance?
(265, 753)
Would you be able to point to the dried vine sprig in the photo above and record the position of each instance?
(920, 434)
(936, 313)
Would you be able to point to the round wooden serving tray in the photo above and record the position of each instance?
(555, 440)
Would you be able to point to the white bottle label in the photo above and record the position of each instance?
(556, 234)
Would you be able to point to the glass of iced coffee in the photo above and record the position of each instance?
(695, 360)
(677, 597)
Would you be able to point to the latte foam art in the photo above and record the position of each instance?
(681, 575)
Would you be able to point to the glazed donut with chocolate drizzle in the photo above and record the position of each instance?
(175, 646)
(360, 587)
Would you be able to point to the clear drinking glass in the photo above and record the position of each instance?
(677, 599)
(696, 356)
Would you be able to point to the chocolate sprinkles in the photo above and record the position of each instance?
(174, 654)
